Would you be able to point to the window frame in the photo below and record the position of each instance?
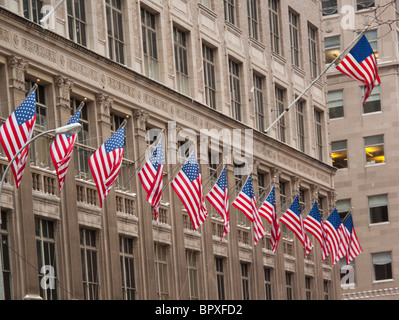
(376, 201)
(180, 45)
(77, 25)
(294, 26)
(115, 36)
(274, 25)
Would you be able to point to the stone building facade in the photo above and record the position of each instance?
(363, 142)
(169, 65)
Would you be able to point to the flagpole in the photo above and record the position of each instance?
(316, 79)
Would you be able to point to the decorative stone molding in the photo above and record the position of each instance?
(104, 104)
(63, 88)
(142, 118)
(17, 67)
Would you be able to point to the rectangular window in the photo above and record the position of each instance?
(253, 18)
(329, 7)
(336, 104)
(230, 11)
(82, 151)
(192, 274)
(181, 62)
(206, 3)
(332, 49)
(308, 288)
(245, 281)
(326, 289)
(372, 38)
(161, 270)
(319, 134)
(208, 57)
(127, 267)
(289, 285)
(382, 266)
(46, 256)
(339, 154)
(5, 255)
(220, 278)
(294, 37)
(378, 208)
(88, 253)
(343, 208)
(150, 50)
(279, 96)
(364, 4)
(33, 10)
(115, 30)
(77, 21)
(300, 125)
(274, 21)
(313, 58)
(373, 102)
(38, 150)
(235, 90)
(258, 98)
(374, 148)
(268, 283)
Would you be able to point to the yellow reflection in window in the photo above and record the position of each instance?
(375, 154)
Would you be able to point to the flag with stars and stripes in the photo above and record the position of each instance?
(218, 196)
(151, 175)
(332, 228)
(313, 223)
(246, 203)
(292, 218)
(354, 247)
(188, 186)
(268, 210)
(16, 131)
(360, 64)
(106, 163)
(61, 151)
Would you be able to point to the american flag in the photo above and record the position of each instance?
(314, 224)
(268, 210)
(354, 247)
(332, 227)
(16, 131)
(360, 64)
(246, 203)
(292, 218)
(106, 163)
(188, 186)
(61, 151)
(151, 177)
(218, 196)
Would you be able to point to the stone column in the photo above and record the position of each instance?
(69, 225)
(279, 267)
(257, 273)
(147, 288)
(25, 271)
(110, 237)
(232, 286)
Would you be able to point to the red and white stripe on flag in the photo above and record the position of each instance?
(16, 131)
(106, 163)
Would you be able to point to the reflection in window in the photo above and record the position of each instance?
(339, 154)
(336, 104)
(364, 4)
(373, 102)
(329, 7)
(374, 148)
(332, 49)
